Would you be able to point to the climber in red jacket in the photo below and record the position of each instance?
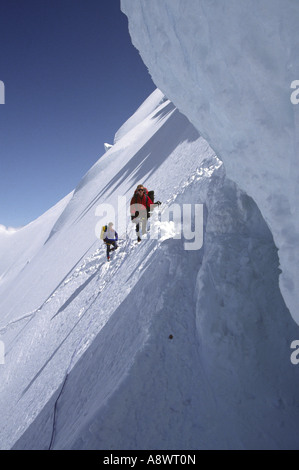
(140, 207)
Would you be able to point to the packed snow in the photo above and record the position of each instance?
(231, 67)
(163, 347)
(107, 146)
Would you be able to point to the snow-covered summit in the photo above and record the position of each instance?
(228, 66)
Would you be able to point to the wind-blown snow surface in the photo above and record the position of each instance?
(228, 66)
(90, 363)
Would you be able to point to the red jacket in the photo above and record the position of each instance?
(144, 200)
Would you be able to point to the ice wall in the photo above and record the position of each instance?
(228, 66)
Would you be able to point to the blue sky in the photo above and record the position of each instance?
(72, 77)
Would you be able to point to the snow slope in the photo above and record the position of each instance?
(162, 348)
(39, 260)
(228, 66)
(19, 246)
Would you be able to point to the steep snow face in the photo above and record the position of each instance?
(56, 292)
(37, 258)
(196, 352)
(228, 66)
(162, 348)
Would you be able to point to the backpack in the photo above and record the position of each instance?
(103, 231)
(151, 195)
(148, 194)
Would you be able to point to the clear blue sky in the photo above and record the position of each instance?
(72, 77)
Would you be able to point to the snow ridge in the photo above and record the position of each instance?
(234, 86)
